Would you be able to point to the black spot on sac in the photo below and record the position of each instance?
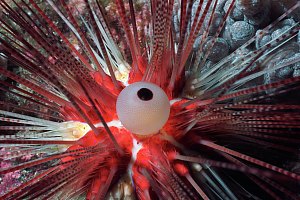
(145, 94)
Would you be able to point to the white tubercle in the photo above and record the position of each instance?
(114, 123)
(174, 101)
(137, 146)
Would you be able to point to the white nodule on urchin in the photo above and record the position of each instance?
(143, 108)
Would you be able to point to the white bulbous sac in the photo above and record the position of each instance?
(143, 108)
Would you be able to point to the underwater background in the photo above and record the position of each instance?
(230, 69)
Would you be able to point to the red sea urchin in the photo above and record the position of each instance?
(233, 129)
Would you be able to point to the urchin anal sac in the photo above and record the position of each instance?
(143, 108)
